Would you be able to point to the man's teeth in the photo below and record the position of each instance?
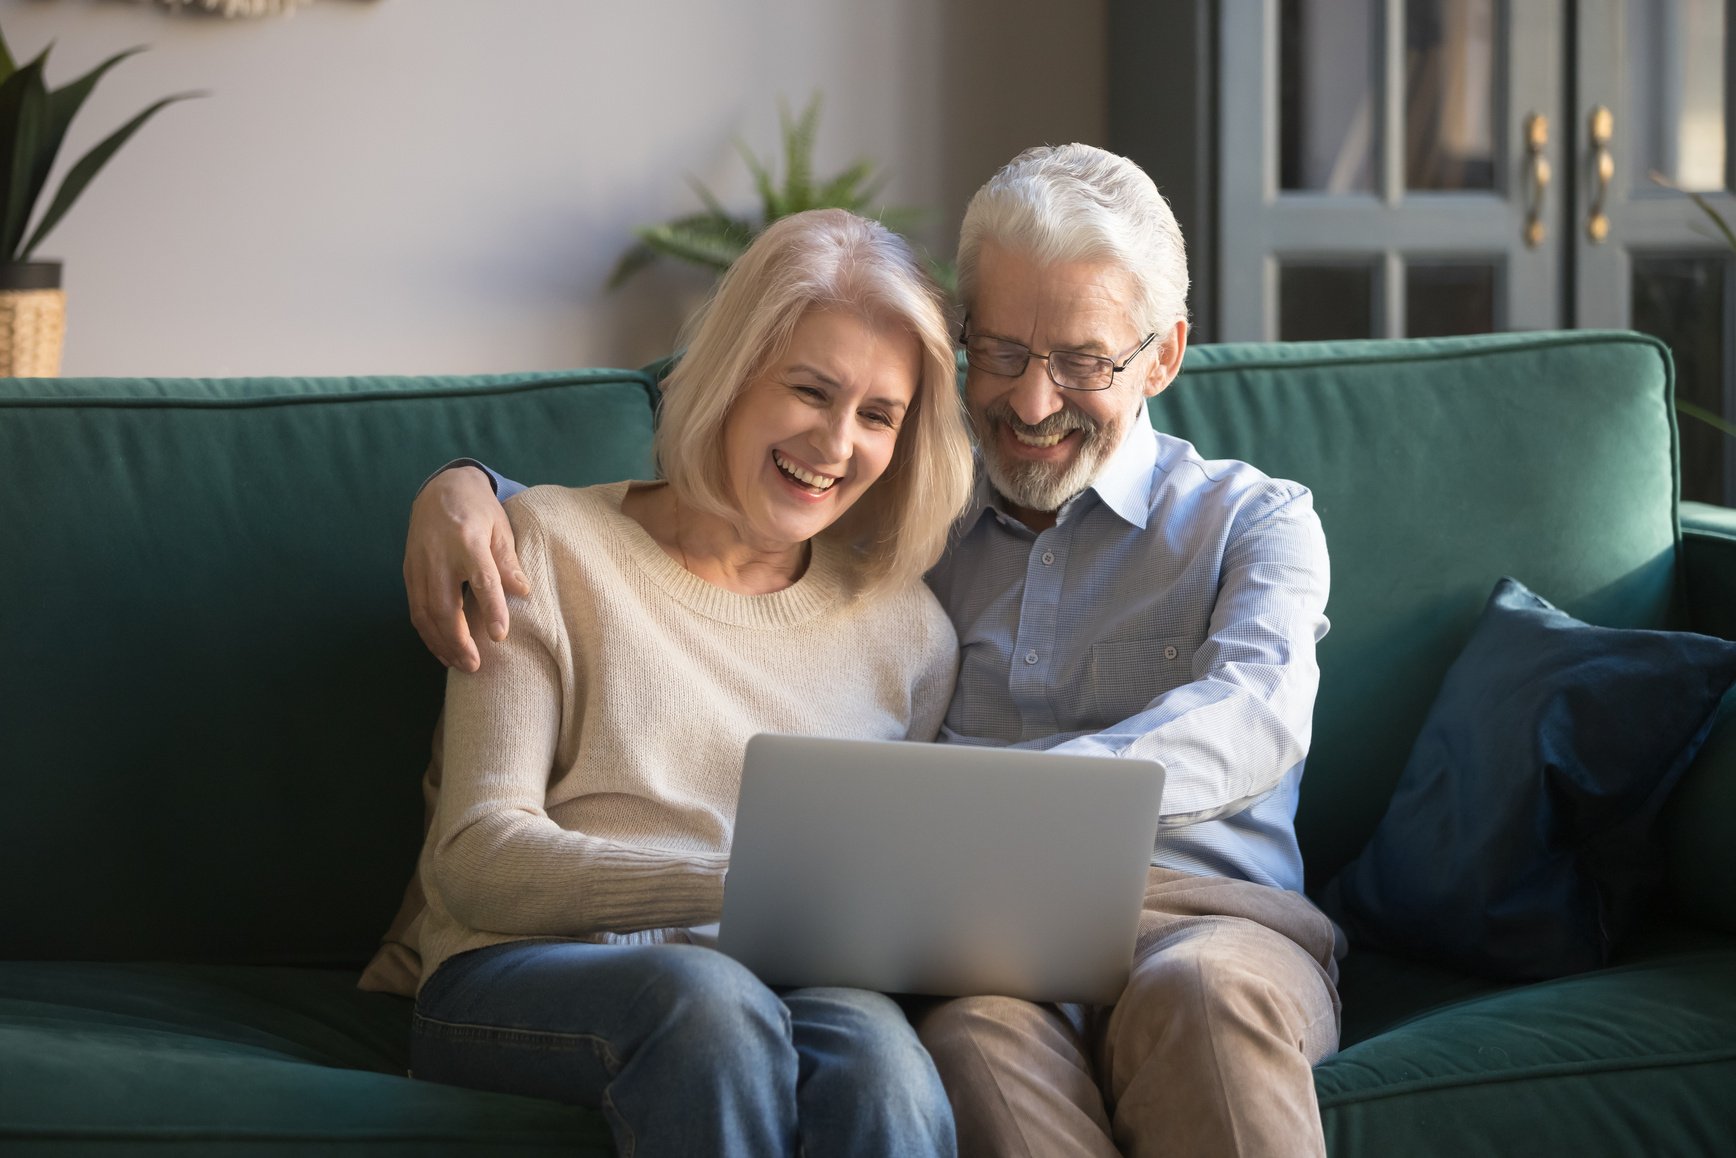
(1037, 440)
(819, 482)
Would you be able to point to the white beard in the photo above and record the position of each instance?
(1039, 486)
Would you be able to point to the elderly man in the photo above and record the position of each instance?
(1114, 593)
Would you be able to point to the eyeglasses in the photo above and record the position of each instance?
(1068, 369)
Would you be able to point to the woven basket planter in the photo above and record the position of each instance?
(32, 319)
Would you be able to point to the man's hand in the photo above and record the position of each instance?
(459, 534)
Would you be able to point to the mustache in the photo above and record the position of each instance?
(1061, 422)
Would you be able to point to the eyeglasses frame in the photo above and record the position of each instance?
(1048, 367)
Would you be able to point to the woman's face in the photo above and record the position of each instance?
(814, 431)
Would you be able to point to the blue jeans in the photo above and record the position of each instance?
(684, 1050)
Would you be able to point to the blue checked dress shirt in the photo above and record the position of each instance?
(1170, 613)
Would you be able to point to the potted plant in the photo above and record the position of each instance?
(715, 237)
(33, 123)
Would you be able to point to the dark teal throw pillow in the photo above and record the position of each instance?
(1519, 842)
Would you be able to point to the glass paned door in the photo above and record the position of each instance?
(1321, 301)
(1449, 87)
(1653, 94)
(1414, 140)
(1443, 298)
(1327, 116)
(1682, 300)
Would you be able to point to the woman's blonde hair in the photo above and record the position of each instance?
(826, 259)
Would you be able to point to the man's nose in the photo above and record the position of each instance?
(1034, 395)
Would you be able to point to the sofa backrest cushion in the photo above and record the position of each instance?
(1438, 467)
(214, 713)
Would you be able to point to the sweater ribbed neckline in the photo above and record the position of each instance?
(821, 586)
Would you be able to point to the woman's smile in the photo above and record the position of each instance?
(806, 480)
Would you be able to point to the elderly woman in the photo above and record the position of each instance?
(813, 456)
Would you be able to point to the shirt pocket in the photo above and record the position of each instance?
(1122, 676)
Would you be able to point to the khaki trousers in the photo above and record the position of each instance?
(1209, 1052)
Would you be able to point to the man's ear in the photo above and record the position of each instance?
(1167, 364)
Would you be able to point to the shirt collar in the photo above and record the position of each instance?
(1124, 483)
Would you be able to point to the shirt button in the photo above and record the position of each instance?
(1030, 657)
(1048, 558)
(1169, 652)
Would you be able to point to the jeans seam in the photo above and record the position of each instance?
(459, 1030)
(625, 1140)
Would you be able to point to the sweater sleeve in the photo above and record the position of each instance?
(936, 669)
(501, 864)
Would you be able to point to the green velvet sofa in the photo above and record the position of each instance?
(214, 716)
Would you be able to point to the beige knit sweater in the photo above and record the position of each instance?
(592, 765)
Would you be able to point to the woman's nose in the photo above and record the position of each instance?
(832, 440)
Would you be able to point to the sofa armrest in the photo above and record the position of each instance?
(1698, 823)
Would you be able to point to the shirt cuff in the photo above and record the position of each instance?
(504, 488)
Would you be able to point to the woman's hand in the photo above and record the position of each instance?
(459, 534)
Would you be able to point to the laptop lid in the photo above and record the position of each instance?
(939, 868)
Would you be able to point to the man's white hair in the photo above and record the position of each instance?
(1081, 203)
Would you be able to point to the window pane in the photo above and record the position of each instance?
(1448, 298)
(1681, 300)
(1676, 92)
(1449, 94)
(1326, 95)
(1317, 302)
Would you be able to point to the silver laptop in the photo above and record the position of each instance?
(938, 868)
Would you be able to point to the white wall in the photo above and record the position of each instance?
(441, 186)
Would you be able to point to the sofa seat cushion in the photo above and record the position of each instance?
(111, 1058)
(1637, 1058)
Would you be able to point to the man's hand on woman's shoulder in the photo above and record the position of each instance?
(459, 534)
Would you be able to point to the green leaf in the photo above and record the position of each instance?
(799, 155)
(872, 189)
(708, 198)
(7, 65)
(703, 234)
(722, 227)
(900, 220)
(701, 247)
(1717, 219)
(23, 109)
(63, 105)
(845, 190)
(634, 260)
(771, 201)
(1707, 417)
(89, 165)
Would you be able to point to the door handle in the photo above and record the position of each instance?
(1602, 173)
(1537, 174)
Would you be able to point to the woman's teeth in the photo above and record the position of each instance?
(1044, 440)
(818, 482)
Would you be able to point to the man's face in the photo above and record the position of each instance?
(1041, 444)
